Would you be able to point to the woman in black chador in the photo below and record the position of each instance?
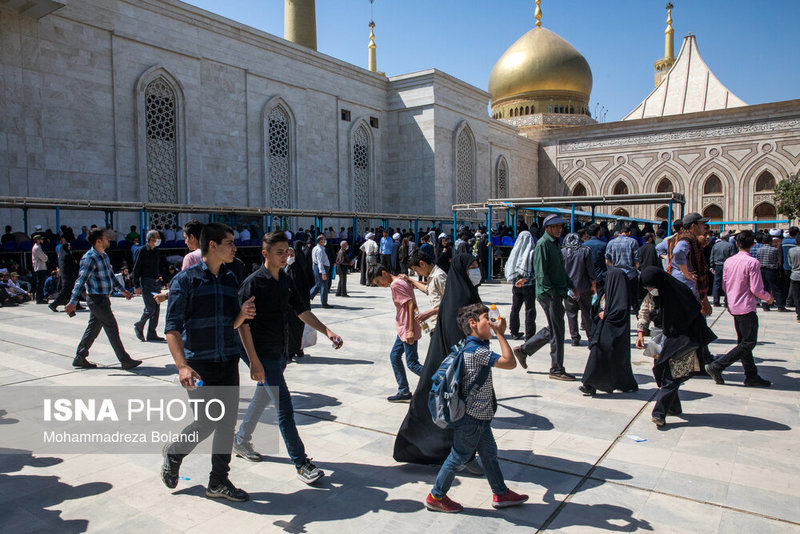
(609, 364)
(419, 440)
(298, 272)
(685, 329)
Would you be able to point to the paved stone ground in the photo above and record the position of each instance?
(729, 464)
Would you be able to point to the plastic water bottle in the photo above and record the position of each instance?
(494, 313)
(177, 380)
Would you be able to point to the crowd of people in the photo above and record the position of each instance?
(597, 276)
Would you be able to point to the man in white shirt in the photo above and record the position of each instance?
(169, 234)
(423, 265)
(319, 259)
(39, 267)
(370, 249)
(244, 235)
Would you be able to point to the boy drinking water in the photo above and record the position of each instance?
(473, 432)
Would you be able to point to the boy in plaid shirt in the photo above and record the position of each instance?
(473, 432)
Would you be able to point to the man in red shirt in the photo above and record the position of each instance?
(408, 329)
(742, 283)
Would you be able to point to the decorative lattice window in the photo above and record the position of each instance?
(502, 179)
(465, 167)
(278, 162)
(361, 168)
(162, 149)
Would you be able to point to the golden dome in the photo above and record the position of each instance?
(540, 65)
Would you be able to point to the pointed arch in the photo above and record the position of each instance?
(662, 213)
(279, 150)
(765, 182)
(584, 179)
(502, 178)
(362, 166)
(161, 147)
(764, 211)
(670, 172)
(613, 179)
(713, 212)
(464, 164)
(729, 195)
(579, 190)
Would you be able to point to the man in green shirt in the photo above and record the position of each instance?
(552, 285)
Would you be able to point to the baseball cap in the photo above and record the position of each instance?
(692, 218)
(550, 220)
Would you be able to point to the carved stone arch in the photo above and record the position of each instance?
(362, 165)
(751, 173)
(277, 161)
(582, 178)
(502, 178)
(630, 171)
(679, 183)
(161, 150)
(611, 180)
(730, 193)
(465, 164)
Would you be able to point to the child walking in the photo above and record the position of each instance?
(473, 432)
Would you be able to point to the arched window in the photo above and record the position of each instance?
(502, 179)
(765, 212)
(662, 213)
(362, 167)
(161, 126)
(765, 182)
(579, 190)
(620, 188)
(278, 152)
(664, 186)
(465, 166)
(713, 186)
(713, 212)
(621, 212)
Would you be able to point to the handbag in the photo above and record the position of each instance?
(656, 344)
(684, 365)
(309, 337)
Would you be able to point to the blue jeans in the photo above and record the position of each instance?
(471, 435)
(274, 389)
(320, 286)
(412, 360)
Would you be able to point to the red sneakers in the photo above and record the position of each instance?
(445, 504)
(509, 499)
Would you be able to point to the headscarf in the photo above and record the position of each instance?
(419, 440)
(298, 271)
(617, 306)
(573, 241)
(678, 304)
(519, 263)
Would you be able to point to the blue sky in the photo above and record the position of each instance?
(751, 46)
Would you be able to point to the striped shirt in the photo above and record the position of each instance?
(203, 308)
(96, 276)
(623, 253)
(769, 257)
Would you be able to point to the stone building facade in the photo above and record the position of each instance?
(159, 101)
(726, 161)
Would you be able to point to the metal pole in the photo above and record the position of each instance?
(489, 243)
(416, 231)
(593, 217)
(455, 214)
(669, 217)
(355, 231)
(683, 206)
(515, 224)
(572, 218)
(58, 218)
(25, 220)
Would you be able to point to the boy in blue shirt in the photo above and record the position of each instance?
(473, 432)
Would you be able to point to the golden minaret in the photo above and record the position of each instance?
(538, 13)
(663, 65)
(373, 59)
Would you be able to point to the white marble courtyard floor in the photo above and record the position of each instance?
(729, 464)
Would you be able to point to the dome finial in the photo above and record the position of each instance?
(538, 13)
(372, 59)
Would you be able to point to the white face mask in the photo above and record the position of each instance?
(653, 291)
(290, 260)
(474, 276)
(158, 242)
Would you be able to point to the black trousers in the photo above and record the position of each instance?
(341, 274)
(717, 290)
(667, 401)
(64, 294)
(795, 289)
(519, 296)
(584, 305)
(746, 338)
(151, 307)
(213, 374)
(772, 284)
(633, 292)
(101, 318)
(40, 277)
(554, 311)
(386, 261)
